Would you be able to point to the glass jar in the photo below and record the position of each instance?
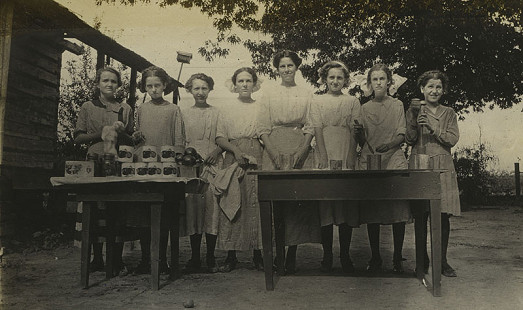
(94, 158)
(109, 165)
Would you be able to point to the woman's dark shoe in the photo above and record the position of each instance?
(229, 265)
(398, 267)
(96, 265)
(120, 269)
(258, 262)
(164, 267)
(326, 263)
(290, 265)
(374, 265)
(211, 264)
(448, 271)
(346, 265)
(144, 267)
(192, 266)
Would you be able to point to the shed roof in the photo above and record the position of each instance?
(48, 16)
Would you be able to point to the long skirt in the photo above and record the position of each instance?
(302, 220)
(385, 212)
(450, 193)
(337, 140)
(243, 232)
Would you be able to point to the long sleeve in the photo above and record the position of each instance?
(307, 126)
(315, 113)
(263, 119)
(81, 122)
(179, 131)
(411, 136)
(448, 134)
(138, 118)
(401, 123)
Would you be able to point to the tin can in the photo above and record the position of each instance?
(149, 154)
(374, 162)
(154, 169)
(141, 169)
(170, 170)
(125, 153)
(128, 169)
(167, 153)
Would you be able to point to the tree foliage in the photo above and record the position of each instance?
(478, 43)
(474, 180)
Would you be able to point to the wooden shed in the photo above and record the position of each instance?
(32, 34)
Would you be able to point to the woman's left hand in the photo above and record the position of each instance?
(423, 120)
(300, 156)
(383, 148)
(212, 158)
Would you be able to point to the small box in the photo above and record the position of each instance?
(140, 169)
(125, 154)
(167, 154)
(189, 171)
(128, 170)
(154, 169)
(149, 154)
(79, 169)
(169, 169)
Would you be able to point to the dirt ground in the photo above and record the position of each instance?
(486, 250)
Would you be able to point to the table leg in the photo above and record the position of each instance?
(175, 240)
(279, 230)
(110, 211)
(86, 245)
(418, 211)
(435, 240)
(156, 211)
(266, 225)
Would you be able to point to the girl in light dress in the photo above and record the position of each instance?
(332, 116)
(237, 134)
(202, 211)
(285, 128)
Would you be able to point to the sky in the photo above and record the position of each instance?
(158, 33)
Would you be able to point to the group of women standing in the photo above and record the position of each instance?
(276, 132)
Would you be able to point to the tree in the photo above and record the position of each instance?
(478, 43)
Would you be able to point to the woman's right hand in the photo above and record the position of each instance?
(138, 137)
(359, 133)
(324, 161)
(240, 158)
(275, 157)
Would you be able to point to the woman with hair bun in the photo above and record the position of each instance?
(285, 128)
(202, 211)
(237, 135)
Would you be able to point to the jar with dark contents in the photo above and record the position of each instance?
(109, 165)
(94, 158)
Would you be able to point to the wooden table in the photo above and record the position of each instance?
(154, 192)
(281, 185)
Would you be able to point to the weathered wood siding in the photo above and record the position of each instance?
(32, 103)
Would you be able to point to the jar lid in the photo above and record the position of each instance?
(92, 156)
